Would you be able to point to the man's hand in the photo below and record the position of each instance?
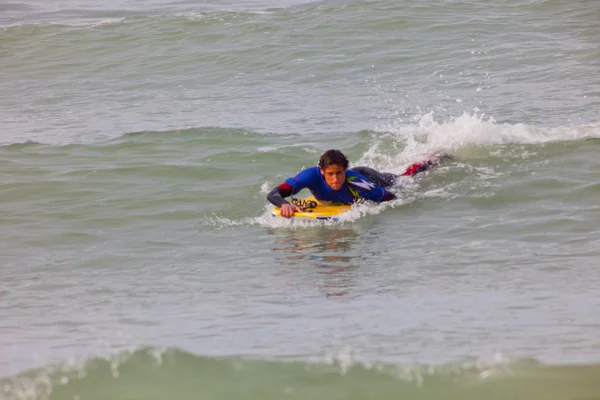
(288, 210)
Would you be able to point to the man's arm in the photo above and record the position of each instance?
(370, 191)
(290, 187)
(276, 197)
(278, 194)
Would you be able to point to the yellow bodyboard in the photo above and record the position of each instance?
(314, 209)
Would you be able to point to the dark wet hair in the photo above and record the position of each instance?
(333, 157)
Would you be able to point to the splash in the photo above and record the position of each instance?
(397, 144)
(266, 219)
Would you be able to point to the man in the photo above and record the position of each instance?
(332, 181)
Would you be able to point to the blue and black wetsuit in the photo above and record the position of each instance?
(361, 183)
(367, 184)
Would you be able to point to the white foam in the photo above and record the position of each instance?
(485, 367)
(265, 188)
(109, 21)
(219, 14)
(399, 144)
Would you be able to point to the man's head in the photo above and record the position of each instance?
(333, 165)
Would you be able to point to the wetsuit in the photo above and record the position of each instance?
(361, 183)
(383, 179)
(354, 188)
(387, 179)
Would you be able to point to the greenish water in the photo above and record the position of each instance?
(159, 374)
(138, 143)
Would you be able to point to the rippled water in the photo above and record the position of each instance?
(139, 142)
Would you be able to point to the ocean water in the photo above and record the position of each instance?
(139, 259)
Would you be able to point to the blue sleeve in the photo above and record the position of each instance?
(305, 179)
(377, 194)
(368, 190)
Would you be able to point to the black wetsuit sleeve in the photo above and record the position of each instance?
(276, 196)
(383, 179)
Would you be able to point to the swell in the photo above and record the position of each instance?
(155, 373)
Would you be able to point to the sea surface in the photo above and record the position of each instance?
(138, 255)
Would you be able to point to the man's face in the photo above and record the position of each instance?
(335, 176)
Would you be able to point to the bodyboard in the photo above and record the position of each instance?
(314, 209)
